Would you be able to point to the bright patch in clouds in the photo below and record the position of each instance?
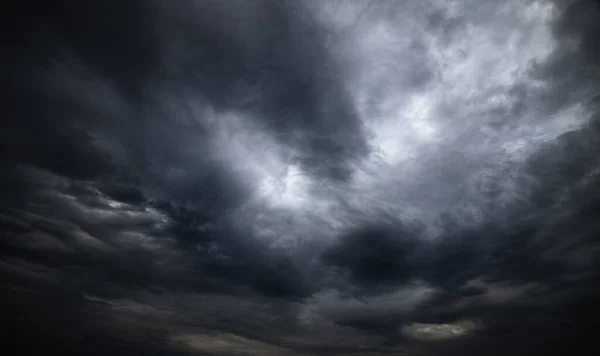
(262, 161)
(438, 332)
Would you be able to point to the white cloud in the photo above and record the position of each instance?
(435, 332)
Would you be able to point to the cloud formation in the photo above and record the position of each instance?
(300, 177)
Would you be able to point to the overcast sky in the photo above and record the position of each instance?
(335, 177)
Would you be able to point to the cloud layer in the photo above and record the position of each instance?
(300, 177)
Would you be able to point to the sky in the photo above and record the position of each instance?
(300, 177)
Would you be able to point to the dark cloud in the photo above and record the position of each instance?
(300, 178)
(378, 255)
(271, 59)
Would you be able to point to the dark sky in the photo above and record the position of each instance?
(300, 177)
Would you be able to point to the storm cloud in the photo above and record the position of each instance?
(300, 177)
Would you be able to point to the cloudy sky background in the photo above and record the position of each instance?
(300, 177)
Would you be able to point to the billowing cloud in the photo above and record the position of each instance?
(300, 177)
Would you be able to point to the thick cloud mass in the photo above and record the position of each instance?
(328, 177)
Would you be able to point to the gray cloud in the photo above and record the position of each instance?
(302, 178)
